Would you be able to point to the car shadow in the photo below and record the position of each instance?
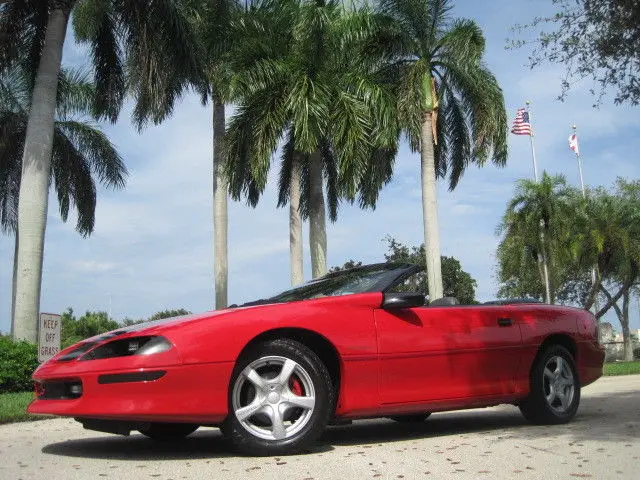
(206, 443)
(605, 418)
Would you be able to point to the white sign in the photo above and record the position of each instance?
(48, 336)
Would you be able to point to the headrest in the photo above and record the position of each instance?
(444, 302)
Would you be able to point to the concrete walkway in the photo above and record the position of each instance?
(603, 442)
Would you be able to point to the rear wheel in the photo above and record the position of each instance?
(165, 432)
(413, 418)
(280, 399)
(555, 388)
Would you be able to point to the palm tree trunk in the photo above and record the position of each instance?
(545, 268)
(220, 215)
(626, 334)
(430, 209)
(34, 186)
(295, 224)
(15, 277)
(317, 220)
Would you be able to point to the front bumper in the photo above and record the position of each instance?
(183, 393)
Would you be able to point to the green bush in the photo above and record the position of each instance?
(18, 360)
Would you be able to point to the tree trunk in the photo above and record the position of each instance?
(295, 224)
(626, 334)
(34, 186)
(430, 210)
(548, 298)
(317, 220)
(220, 215)
(14, 278)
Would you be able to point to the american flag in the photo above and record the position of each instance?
(521, 125)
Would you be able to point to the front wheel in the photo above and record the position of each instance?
(555, 388)
(280, 399)
(166, 432)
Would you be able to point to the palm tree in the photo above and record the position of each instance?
(80, 151)
(449, 104)
(303, 82)
(538, 219)
(145, 46)
(212, 20)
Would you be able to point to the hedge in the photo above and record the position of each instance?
(18, 360)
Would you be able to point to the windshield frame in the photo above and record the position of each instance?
(394, 272)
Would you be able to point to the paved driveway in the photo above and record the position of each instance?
(603, 442)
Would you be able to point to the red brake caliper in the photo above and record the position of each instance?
(295, 386)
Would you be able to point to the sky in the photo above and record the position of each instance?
(152, 245)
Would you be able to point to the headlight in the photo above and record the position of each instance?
(129, 346)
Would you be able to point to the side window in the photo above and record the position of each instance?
(415, 283)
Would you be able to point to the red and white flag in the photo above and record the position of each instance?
(573, 143)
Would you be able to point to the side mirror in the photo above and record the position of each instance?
(395, 301)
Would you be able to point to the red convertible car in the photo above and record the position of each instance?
(353, 344)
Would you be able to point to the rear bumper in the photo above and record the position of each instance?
(183, 393)
(590, 362)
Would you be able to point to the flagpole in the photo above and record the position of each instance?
(584, 194)
(533, 148)
(542, 258)
(594, 269)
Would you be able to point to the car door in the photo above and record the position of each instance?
(441, 353)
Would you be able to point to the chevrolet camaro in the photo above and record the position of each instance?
(360, 343)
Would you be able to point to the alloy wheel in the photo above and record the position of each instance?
(273, 398)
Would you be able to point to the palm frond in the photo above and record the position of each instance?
(76, 93)
(163, 56)
(23, 25)
(12, 132)
(73, 182)
(100, 155)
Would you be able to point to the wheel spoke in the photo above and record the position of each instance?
(245, 412)
(303, 402)
(287, 369)
(552, 395)
(563, 400)
(559, 366)
(278, 429)
(548, 373)
(255, 378)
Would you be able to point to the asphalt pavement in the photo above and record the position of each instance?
(603, 442)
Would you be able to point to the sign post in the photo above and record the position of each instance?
(48, 336)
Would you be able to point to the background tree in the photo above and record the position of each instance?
(535, 228)
(449, 104)
(75, 329)
(80, 151)
(597, 39)
(145, 45)
(168, 314)
(602, 230)
(457, 282)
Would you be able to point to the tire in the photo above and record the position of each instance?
(166, 432)
(555, 388)
(267, 413)
(413, 418)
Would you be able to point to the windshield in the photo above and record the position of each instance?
(358, 280)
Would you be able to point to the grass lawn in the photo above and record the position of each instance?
(13, 405)
(622, 368)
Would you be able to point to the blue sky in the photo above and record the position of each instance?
(152, 245)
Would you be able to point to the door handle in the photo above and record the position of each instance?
(505, 322)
